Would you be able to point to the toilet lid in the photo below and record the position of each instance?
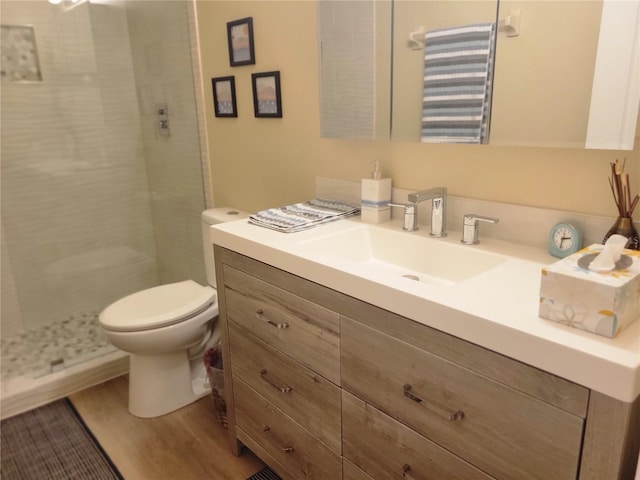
(157, 307)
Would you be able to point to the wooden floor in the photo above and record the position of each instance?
(188, 444)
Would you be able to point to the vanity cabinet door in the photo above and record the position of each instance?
(263, 426)
(308, 398)
(505, 433)
(384, 448)
(297, 327)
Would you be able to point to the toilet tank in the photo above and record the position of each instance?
(214, 216)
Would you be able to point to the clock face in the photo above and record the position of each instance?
(564, 239)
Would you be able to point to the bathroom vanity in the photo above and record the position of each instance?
(340, 366)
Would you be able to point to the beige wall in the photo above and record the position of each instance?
(260, 163)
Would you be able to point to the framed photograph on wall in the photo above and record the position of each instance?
(224, 96)
(240, 41)
(266, 94)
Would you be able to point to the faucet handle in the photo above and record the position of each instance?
(470, 227)
(410, 215)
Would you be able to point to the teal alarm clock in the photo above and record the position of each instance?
(564, 239)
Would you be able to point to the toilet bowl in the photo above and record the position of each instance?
(165, 330)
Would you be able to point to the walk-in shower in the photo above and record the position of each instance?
(102, 179)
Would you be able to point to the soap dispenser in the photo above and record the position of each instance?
(375, 197)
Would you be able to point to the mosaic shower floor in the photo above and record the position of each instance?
(53, 347)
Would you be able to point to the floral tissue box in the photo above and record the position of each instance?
(602, 303)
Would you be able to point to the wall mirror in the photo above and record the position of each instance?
(441, 84)
(354, 54)
(570, 78)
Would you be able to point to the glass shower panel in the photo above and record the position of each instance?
(164, 79)
(98, 199)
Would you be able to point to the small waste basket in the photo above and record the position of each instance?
(213, 364)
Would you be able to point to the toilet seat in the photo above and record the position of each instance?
(157, 307)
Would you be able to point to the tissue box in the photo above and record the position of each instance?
(602, 303)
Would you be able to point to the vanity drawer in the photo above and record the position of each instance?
(407, 454)
(501, 431)
(301, 329)
(308, 398)
(290, 445)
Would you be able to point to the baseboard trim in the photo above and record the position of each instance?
(22, 394)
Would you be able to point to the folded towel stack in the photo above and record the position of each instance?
(301, 216)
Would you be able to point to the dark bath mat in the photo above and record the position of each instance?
(52, 442)
(265, 474)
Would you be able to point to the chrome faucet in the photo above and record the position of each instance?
(438, 197)
(410, 222)
(470, 227)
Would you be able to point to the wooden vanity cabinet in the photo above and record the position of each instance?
(386, 448)
(324, 386)
(285, 365)
(502, 431)
(302, 330)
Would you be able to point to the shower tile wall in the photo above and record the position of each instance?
(163, 71)
(87, 185)
(73, 173)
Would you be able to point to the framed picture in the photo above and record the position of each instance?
(266, 94)
(240, 41)
(224, 96)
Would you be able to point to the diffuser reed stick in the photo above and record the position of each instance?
(621, 190)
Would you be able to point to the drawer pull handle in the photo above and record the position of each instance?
(409, 394)
(260, 316)
(263, 375)
(406, 468)
(267, 429)
(454, 417)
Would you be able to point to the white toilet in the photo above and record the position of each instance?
(165, 329)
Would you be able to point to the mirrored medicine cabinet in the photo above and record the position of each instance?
(568, 77)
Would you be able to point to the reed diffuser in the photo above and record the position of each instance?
(621, 190)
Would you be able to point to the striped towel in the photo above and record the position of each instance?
(458, 70)
(301, 216)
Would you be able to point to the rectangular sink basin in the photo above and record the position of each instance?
(403, 254)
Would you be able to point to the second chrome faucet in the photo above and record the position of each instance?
(438, 197)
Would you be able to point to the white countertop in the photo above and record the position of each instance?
(496, 309)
